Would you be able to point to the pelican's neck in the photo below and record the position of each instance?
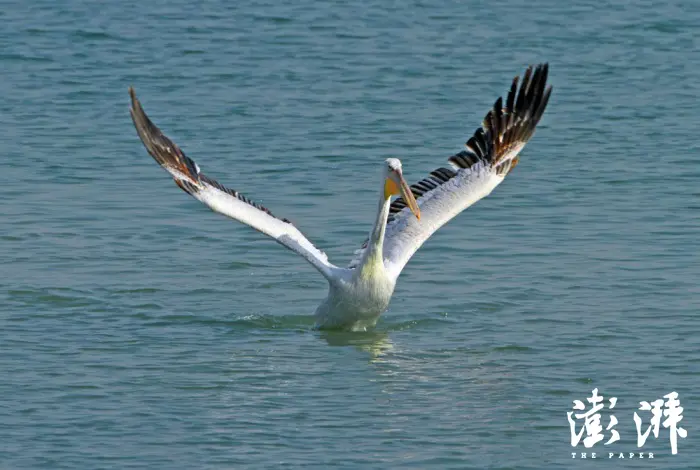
(375, 247)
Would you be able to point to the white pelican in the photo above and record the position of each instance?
(358, 294)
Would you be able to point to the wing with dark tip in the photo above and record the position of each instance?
(219, 198)
(490, 154)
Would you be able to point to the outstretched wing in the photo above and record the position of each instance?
(218, 197)
(491, 153)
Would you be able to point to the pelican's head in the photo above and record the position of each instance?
(395, 185)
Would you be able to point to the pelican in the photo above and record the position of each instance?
(360, 293)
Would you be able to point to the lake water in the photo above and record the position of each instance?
(140, 330)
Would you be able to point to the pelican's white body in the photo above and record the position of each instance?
(358, 297)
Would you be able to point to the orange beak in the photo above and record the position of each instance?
(391, 188)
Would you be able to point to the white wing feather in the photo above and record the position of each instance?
(220, 199)
(491, 153)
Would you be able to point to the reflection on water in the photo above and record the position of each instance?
(376, 343)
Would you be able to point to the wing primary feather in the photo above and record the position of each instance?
(520, 104)
(496, 119)
(160, 147)
(510, 103)
(543, 103)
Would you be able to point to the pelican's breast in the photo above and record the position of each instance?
(357, 303)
